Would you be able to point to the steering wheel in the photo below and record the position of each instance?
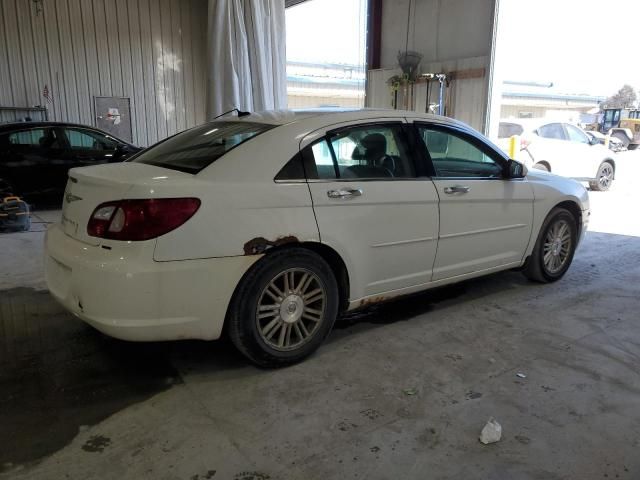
(388, 160)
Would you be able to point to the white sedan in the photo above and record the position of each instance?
(270, 225)
(561, 148)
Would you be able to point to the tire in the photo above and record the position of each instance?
(542, 166)
(604, 178)
(264, 293)
(552, 231)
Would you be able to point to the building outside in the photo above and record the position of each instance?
(325, 85)
(536, 100)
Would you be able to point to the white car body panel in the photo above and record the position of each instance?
(381, 259)
(125, 294)
(487, 227)
(399, 237)
(567, 158)
(388, 236)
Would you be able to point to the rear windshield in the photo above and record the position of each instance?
(197, 148)
(507, 130)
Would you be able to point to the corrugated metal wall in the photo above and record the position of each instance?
(152, 51)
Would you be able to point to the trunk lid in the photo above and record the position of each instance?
(88, 187)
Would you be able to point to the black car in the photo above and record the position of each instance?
(36, 156)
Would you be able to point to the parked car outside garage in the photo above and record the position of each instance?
(271, 224)
(560, 148)
(615, 144)
(36, 156)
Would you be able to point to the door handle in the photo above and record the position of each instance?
(456, 189)
(344, 193)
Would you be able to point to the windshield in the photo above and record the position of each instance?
(197, 148)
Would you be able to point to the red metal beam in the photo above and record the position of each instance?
(374, 33)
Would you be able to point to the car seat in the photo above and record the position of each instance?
(374, 162)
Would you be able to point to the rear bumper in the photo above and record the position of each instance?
(125, 294)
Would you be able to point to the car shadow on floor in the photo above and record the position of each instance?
(57, 374)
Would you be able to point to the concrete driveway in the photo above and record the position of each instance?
(399, 391)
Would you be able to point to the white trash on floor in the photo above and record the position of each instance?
(491, 433)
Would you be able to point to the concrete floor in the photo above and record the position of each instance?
(398, 391)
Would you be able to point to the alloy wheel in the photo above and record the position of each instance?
(557, 247)
(291, 309)
(606, 177)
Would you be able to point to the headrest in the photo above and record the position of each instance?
(374, 141)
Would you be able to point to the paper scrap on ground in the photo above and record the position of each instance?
(491, 433)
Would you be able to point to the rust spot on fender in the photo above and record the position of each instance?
(259, 245)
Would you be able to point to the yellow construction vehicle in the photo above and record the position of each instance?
(623, 124)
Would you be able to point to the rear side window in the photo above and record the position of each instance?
(197, 148)
(553, 131)
(35, 138)
(371, 152)
(27, 137)
(293, 170)
(506, 130)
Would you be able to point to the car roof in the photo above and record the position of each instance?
(335, 115)
(10, 126)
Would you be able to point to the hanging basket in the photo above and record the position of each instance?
(409, 62)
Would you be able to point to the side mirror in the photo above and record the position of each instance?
(122, 149)
(593, 141)
(516, 169)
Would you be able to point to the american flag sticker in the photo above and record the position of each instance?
(46, 94)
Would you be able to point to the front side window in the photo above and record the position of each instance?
(553, 131)
(371, 152)
(453, 156)
(87, 140)
(197, 148)
(576, 135)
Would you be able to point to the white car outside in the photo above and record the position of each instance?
(560, 148)
(269, 225)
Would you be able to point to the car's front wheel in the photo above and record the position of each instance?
(554, 248)
(284, 307)
(604, 178)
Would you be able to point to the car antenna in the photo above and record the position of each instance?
(240, 113)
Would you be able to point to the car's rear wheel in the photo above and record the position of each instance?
(604, 178)
(542, 166)
(284, 308)
(554, 248)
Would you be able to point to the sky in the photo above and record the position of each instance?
(335, 34)
(582, 46)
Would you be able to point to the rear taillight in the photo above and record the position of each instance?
(140, 219)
